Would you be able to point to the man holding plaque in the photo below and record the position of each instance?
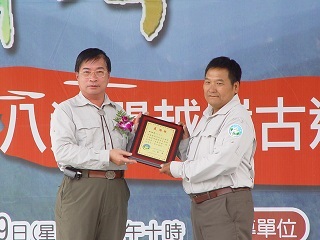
(90, 135)
(217, 165)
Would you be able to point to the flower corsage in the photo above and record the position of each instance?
(124, 123)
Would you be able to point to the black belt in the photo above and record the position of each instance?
(201, 197)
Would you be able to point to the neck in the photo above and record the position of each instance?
(96, 100)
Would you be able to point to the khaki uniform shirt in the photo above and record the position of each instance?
(77, 137)
(219, 152)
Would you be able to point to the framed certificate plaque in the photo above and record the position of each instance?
(156, 141)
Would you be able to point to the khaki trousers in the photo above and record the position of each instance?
(91, 209)
(227, 217)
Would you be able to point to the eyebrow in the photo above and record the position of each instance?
(217, 80)
(87, 68)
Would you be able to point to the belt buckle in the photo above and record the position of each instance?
(110, 175)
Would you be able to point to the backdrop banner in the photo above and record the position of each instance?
(159, 50)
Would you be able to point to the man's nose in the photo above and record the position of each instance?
(212, 88)
(93, 77)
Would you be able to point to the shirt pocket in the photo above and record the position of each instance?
(87, 132)
(208, 142)
(218, 145)
(201, 144)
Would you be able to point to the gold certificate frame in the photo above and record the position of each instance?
(156, 141)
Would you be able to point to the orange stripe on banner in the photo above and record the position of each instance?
(285, 112)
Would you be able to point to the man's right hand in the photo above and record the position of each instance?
(120, 157)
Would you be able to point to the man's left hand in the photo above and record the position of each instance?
(165, 168)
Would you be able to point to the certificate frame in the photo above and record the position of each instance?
(156, 141)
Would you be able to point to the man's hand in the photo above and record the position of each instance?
(186, 133)
(120, 157)
(137, 120)
(165, 168)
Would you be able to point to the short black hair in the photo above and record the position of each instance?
(92, 54)
(231, 65)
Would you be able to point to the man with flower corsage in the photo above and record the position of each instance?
(91, 136)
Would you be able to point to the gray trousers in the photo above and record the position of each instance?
(91, 208)
(227, 217)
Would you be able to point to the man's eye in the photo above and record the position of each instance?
(100, 73)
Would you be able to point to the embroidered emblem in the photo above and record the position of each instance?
(235, 130)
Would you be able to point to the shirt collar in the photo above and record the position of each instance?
(80, 100)
(226, 108)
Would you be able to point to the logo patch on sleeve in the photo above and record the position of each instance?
(235, 130)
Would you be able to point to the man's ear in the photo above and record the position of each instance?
(236, 86)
